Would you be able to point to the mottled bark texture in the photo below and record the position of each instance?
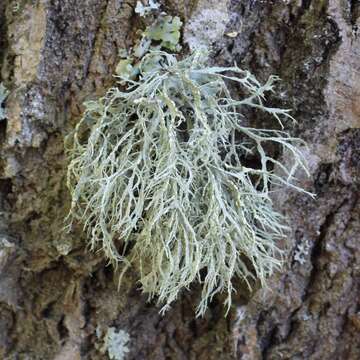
(54, 54)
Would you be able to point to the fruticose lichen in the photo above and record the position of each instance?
(160, 177)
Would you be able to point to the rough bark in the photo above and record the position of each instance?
(54, 294)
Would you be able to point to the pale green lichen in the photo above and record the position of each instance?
(126, 69)
(159, 177)
(167, 31)
(301, 252)
(144, 10)
(3, 95)
(116, 344)
(164, 33)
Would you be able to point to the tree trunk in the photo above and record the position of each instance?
(57, 300)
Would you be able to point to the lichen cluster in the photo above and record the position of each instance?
(160, 180)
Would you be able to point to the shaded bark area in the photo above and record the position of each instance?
(55, 297)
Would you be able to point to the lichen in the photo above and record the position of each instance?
(116, 344)
(207, 24)
(145, 10)
(3, 95)
(301, 252)
(167, 31)
(164, 33)
(159, 177)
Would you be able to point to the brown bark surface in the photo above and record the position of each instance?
(54, 295)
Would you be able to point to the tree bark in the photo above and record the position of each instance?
(56, 297)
